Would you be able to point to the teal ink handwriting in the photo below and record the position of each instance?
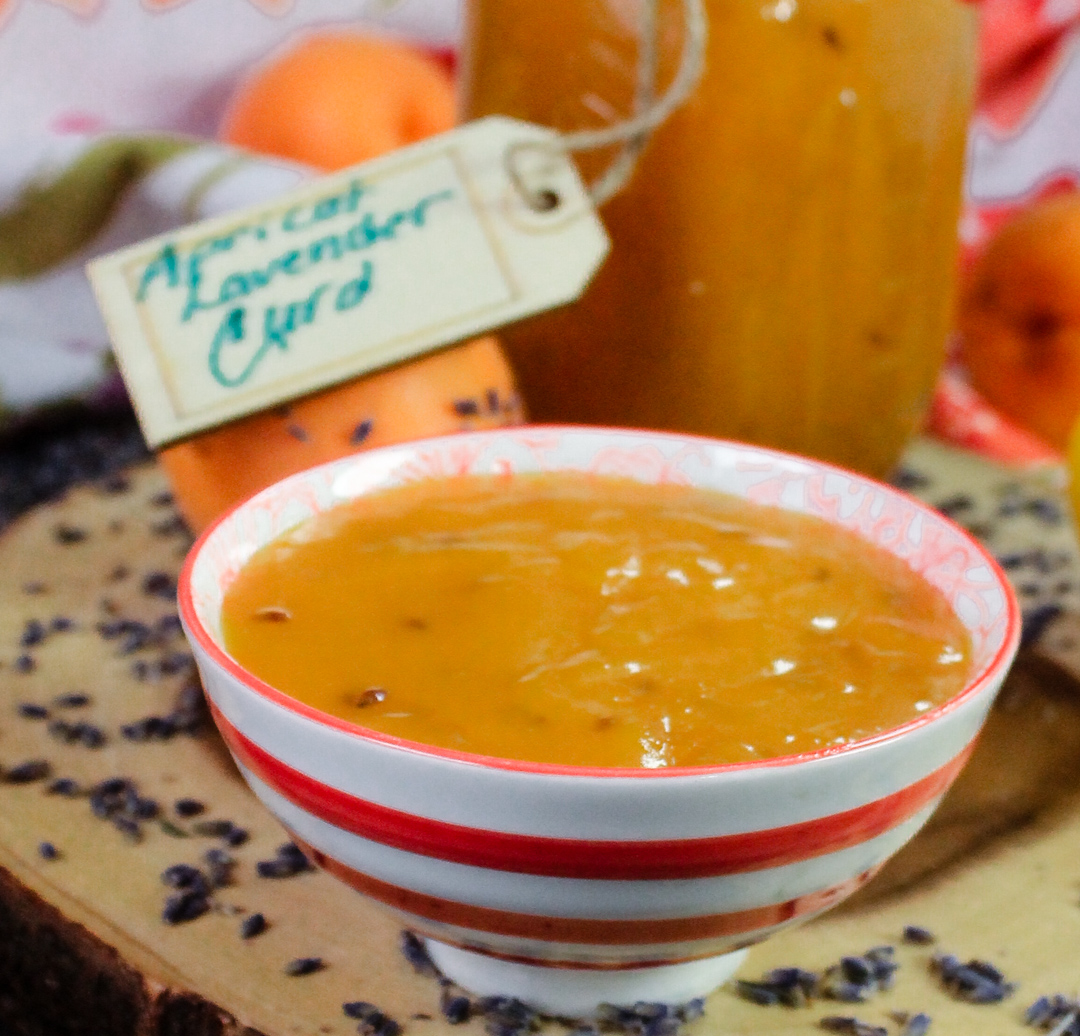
(366, 232)
(279, 323)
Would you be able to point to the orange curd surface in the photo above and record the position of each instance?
(595, 621)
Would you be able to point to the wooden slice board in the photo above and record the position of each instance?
(83, 947)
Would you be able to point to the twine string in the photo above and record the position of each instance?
(649, 111)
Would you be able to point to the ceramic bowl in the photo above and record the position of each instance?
(569, 886)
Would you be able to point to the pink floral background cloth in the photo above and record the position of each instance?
(108, 113)
(99, 88)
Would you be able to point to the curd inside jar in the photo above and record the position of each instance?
(782, 259)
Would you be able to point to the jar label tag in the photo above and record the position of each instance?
(355, 271)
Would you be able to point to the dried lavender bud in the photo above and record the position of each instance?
(24, 664)
(858, 970)
(28, 772)
(188, 807)
(33, 633)
(212, 828)
(169, 626)
(304, 966)
(361, 432)
(414, 951)
(491, 398)
(918, 936)
(466, 407)
(185, 906)
(67, 534)
(850, 1026)
(175, 662)
(64, 786)
(762, 993)
(89, 735)
(691, 1010)
(297, 432)
(110, 796)
(236, 836)
(504, 1015)
(360, 1010)
(127, 827)
(48, 851)
(144, 809)
(159, 584)
(276, 868)
(1040, 1012)
(183, 876)
(455, 1008)
(977, 982)
(916, 1025)
(74, 700)
(30, 710)
(174, 526)
(294, 854)
(252, 925)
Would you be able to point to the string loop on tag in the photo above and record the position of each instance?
(650, 111)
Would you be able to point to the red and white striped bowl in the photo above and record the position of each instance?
(570, 886)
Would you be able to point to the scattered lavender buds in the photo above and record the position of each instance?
(252, 925)
(74, 700)
(48, 851)
(466, 407)
(918, 936)
(186, 905)
(64, 786)
(220, 866)
(30, 710)
(850, 1026)
(414, 951)
(68, 534)
(977, 981)
(290, 860)
(28, 772)
(361, 432)
(373, 1022)
(304, 966)
(455, 1007)
(33, 633)
(184, 876)
(914, 1024)
(1057, 1013)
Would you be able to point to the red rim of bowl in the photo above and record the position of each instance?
(972, 688)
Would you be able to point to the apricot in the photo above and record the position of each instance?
(331, 101)
(464, 388)
(1019, 319)
(334, 99)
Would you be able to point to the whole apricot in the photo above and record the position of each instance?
(1019, 319)
(334, 99)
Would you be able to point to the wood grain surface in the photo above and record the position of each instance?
(84, 949)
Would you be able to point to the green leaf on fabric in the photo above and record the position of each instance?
(53, 221)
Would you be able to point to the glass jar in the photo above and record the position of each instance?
(782, 259)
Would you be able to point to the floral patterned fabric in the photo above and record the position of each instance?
(108, 110)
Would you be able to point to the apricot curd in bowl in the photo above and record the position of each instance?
(591, 620)
(592, 711)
